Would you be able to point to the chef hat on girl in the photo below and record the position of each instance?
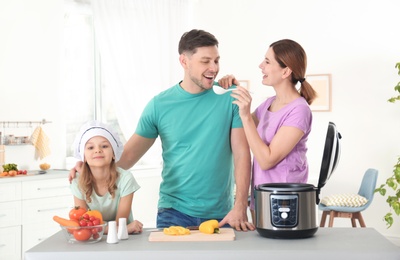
(96, 128)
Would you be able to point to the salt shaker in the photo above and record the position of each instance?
(122, 229)
(112, 237)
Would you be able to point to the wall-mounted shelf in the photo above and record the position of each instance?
(10, 139)
(17, 124)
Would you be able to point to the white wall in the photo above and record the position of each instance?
(356, 41)
(30, 46)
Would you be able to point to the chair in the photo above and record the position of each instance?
(366, 190)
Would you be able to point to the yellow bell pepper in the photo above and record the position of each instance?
(176, 231)
(209, 227)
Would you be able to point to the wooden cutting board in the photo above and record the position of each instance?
(226, 234)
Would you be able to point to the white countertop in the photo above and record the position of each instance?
(34, 175)
(138, 171)
(326, 244)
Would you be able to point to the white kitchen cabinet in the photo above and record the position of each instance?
(10, 191)
(41, 200)
(27, 206)
(10, 221)
(10, 214)
(10, 243)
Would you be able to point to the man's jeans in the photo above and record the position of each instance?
(171, 217)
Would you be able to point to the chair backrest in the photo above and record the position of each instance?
(368, 185)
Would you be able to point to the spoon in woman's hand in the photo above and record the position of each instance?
(220, 90)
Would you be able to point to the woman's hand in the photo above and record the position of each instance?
(227, 81)
(135, 227)
(243, 101)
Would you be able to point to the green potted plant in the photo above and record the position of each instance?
(393, 182)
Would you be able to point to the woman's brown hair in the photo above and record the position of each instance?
(87, 181)
(289, 53)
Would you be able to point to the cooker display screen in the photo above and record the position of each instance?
(284, 210)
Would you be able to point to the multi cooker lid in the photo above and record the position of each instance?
(331, 155)
(285, 187)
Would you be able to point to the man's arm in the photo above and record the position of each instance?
(237, 217)
(134, 149)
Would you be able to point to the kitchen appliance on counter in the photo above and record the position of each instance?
(289, 210)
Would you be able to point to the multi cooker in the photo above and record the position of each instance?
(289, 210)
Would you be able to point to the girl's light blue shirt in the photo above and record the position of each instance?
(108, 206)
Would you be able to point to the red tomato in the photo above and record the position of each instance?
(76, 213)
(96, 222)
(82, 234)
(89, 224)
(94, 231)
(96, 214)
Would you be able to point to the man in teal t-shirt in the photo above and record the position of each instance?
(204, 147)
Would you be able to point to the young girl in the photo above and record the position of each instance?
(101, 185)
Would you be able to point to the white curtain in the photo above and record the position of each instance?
(138, 44)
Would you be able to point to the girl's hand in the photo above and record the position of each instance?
(135, 227)
(228, 81)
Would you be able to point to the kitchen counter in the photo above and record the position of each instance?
(27, 206)
(327, 243)
(35, 175)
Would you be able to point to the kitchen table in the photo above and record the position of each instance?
(327, 243)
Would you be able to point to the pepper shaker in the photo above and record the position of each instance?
(112, 237)
(122, 229)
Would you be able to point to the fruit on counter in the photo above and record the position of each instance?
(44, 166)
(95, 213)
(10, 167)
(176, 231)
(79, 218)
(82, 234)
(66, 222)
(89, 221)
(76, 213)
(13, 173)
(22, 172)
(209, 227)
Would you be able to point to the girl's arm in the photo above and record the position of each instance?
(80, 203)
(124, 210)
(124, 207)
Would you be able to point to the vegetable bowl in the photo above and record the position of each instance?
(87, 234)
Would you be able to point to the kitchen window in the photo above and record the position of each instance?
(118, 55)
(87, 97)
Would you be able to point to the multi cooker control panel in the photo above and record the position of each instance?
(284, 210)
